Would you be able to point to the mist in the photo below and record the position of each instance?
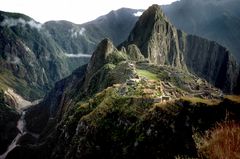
(77, 55)
(10, 22)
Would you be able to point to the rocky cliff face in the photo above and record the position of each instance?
(8, 122)
(157, 38)
(211, 19)
(29, 55)
(31, 61)
(212, 62)
(160, 42)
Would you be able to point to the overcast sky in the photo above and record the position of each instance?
(77, 11)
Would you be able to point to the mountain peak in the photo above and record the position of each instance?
(162, 44)
(99, 56)
(153, 11)
(153, 34)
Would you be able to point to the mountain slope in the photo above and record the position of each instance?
(137, 101)
(160, 42)
(84, 38)
(34, 56)
(101, 111)
(30, 60)
(216, 20)
(8, 122)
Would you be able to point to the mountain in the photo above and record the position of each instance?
(129, 103)
(30, 60)
(216, 20)
(84, 38)
(8, 122)
(43, 39)
(163, 44)
(34, 56)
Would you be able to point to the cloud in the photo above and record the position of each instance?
(77, 55)
(20, 21)
(81, 31)
(76, 32)
(138, 14)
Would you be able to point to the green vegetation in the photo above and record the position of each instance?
(7, 79)
(127, 125)
(147, 74)
(117, 57)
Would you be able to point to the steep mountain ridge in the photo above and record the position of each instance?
(29, 55)
(83, 38)
(34, 56)
(102, 71)
(133, 103)
(31, 61)
(112, 109)
(160, 42)
(216, 20)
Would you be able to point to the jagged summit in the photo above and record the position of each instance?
(99, 56)
(153, 11)
(157, 38)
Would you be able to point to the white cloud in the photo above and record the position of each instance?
(77, 55)
(76, 32)
(72, 10)
(13, 22)
(81, 31)
(138, 14)
(33, 24)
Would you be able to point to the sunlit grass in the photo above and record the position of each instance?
(195, 100)
(222, 142)
(234, 98)
(147, 74)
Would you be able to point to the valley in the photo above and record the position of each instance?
(120, 86)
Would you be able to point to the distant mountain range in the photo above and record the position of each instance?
(84, 38)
